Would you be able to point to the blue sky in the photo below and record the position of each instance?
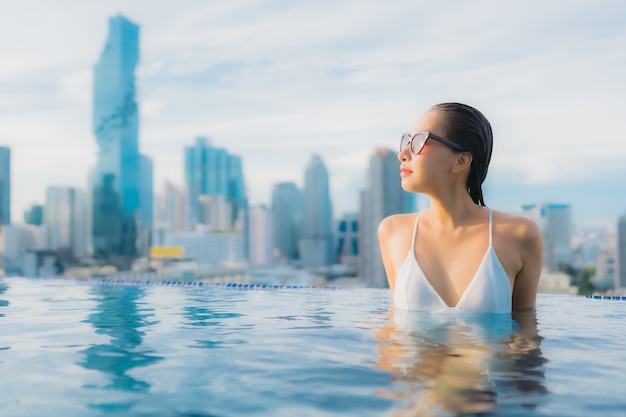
(275, 81)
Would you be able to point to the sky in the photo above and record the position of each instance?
(276, 81)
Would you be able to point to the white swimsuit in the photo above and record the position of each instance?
(488, 292)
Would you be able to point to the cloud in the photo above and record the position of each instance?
(274, 81)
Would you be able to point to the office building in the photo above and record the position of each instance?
(66, 222)
(5, 185)
(212, 171)
(122, 183)
(554, 220)
(287, 207)
(347, 246)
(382, 197)
(620, 281)
(170, 211)
(222, 249)
(317, 241)
(34, 215)
(260, 236)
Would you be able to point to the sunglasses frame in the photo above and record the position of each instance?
(408, 140)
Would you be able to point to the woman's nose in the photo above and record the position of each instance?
(404, 154)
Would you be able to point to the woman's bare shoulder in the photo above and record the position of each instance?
(395, 222)
(520, 228)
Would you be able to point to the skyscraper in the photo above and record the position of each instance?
(554, 220)
(382, 197)
(66, 222)
(620, 281)
(212, 171)
(34, 215)
(260, 237)
(316, 243)
(117, 183)
(287, 210)
(348, 240)
(5, 185)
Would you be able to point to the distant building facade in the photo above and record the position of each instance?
(606, 270)
(211, 171)
(620, 281)
(5, 185)
(287, 209)
(34, 215)
(260, 236)
(317, 239)
(383, 196)
(209, 248)
(121, 189)
(554, 220)
(347, 240)
(66, 222)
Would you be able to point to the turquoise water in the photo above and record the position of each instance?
(77, 349)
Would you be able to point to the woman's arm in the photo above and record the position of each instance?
(384, 234)
(531, 253)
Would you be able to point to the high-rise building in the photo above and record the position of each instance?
(66, 222)
(382, 197)
(554, 220)
(287, 209)
(5, 185)
(260, 239)
(347, 247)
(34, 215)
(170, 209)
(122, 176)
(212, 171)
(146, 192)
(620, 281)
(316, 244)
(216, 212)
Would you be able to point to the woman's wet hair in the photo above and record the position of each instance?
(470, 129)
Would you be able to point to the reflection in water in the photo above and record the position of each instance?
(456, 363)
(3, 303)
(206, 313)
(118, 316)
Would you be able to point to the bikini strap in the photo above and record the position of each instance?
(490, 229)
(417, 218)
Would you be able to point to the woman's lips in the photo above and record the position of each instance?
(405, 172)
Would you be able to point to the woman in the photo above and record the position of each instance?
(457, 253)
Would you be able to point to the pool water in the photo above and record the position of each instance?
(81, 349)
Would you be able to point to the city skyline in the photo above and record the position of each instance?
(268, 84)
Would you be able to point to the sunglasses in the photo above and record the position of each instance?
(418, 141)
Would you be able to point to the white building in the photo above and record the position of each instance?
(15, 241)
(606, 270)
(621, 253)
(554, 220)
(209, 248)
(215, 211)
(260, 236)
(66, 221)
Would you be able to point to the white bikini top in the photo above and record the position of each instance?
(489, 290)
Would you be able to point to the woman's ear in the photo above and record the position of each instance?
(462, 162)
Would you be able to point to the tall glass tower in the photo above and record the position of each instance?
(5, 185)
(287, 211)
(382, 197)
(316, 244)
(117, 184)
(211, 171)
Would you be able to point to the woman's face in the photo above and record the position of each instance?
(431, 167)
